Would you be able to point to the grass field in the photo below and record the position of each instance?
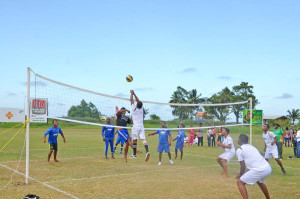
(84, 173)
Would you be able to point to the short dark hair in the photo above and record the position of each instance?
(287, 128)
(53, 121)
(227, 130)
(123, 108)
(164, 122)
(243, 138)
(268, 126)
(139, 104)
(277, 125)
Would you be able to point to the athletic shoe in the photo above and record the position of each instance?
(171, 162)
(121, 153)
(112, 156)
(159, 164)
(106, 158)
(133, 156)
(147, 156)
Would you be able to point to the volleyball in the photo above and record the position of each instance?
(129, 78)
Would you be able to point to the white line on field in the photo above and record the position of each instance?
(126, 174)
(49, 186)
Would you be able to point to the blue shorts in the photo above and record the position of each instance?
(180, 147)
(163, 147)
(121, 140)
(124, 134)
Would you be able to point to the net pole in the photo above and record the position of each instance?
(250, 120)
(27, 126)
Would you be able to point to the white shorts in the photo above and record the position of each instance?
(271, 154)
(251, 177)
(138, 131)
(227, 156)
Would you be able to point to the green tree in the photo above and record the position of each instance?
(154, 117)
(220, 112)
(242, 92)
(84, 110)
(293, 115)
(182, 96)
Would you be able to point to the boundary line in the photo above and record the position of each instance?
(49, 186)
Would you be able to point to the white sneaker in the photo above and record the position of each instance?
(171, 162)
(159, 164)
(147, 156)
(133, 156)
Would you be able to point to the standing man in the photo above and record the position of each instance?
(138, 125)
(258, 168)
(108, 136)
(52, 139)
(270, 146)
(279, 133)
(229, 151)
(200, 135)
(298, 143)
(164, 142)
(180, 141)
(208, 135)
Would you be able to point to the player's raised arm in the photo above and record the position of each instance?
(131, 97)
(136, 98)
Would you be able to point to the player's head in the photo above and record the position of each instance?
(181, 125)
(287, 128)
(201, 124)
(225, 131)
(163, 124)
(277, 126)
(122, 109)
(266, 127)
(139, 104)
(108, 120)
(55, 123)
(243, 139)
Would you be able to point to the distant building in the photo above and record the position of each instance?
(266, 118)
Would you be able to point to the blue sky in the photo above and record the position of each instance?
(205, 45)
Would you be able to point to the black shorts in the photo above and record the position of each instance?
(53, 146)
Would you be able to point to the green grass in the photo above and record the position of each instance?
(85, 173)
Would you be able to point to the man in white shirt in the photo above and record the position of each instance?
(229, 151)
(258, 168)
(138, 125)
(270, 146)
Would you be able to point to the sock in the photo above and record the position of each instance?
(134, 148)
(146, 147)
(121, 148)
(115, 148)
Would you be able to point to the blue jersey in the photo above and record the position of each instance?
(180, 136)
(108, 132)
(163, 136)
(53, 133)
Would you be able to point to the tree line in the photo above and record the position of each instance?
(238, 93)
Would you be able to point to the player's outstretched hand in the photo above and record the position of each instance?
(131, 91)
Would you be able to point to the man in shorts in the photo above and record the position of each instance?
(270, 146)
(138, 125)
(229, 151)
(258, 168)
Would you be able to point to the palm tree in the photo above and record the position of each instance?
(293, 115)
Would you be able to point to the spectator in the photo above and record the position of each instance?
(279, 134)
(213, 137)
(191, 137)
(287, 137)
(200, 135)
(294, 141)
(298, 143)
(208, 135)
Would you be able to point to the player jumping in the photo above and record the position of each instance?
(138, 125)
